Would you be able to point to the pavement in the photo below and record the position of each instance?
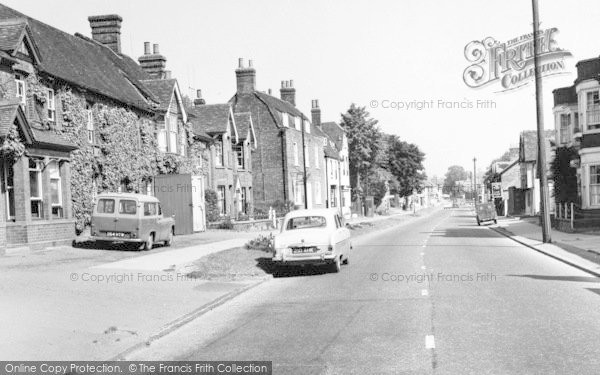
(438, 294)
(581, 250)
(98, 304)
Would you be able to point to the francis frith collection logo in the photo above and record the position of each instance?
(511, 64)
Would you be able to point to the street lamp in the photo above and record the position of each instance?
(474, 182)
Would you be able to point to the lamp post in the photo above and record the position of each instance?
(541, 139)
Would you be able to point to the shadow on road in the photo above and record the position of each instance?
(267, 265)
(580, 279)
(467, 232)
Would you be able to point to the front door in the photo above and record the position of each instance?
(198, 216)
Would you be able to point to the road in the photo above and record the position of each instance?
(438, 295)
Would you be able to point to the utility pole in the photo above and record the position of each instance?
(544, 212)
(304, 165)
(475, 195)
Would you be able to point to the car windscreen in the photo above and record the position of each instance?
(106, 206)
(127, 207)
(303, 222)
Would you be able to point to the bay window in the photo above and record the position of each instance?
(565, 120)
(35, 188)
(593, 110)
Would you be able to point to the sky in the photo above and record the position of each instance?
(372, 53)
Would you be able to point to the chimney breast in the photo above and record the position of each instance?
(315, 112)
(154, 64)
(106, 29)
(245, 77)
(288, 92)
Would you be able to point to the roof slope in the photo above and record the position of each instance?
(243, 122)
(163, 90)
(85, 63)
(335, 132)
(211, 118)
(528, 145)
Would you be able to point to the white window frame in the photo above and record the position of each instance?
(307, 155)
(222, 199)
(317, 164)
(594, 188)
(307, 126)
(56, 177)
(285, 119)
(296, 155)
(40, 198)
(298, 192)
(240, 150)
(172, 133)
(219, 159)
(297, 123)
(21, 92)
(592, 110)
(90, 125)
(51, 99)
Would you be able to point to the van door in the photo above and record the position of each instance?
(104, 217)
(198, 223)
(149, 220)
(127, 217)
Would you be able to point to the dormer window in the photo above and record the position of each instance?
(297, 123)
(565, 122)
(285, 119)
(21, 92)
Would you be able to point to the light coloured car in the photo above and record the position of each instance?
(313, 236)
(137, 218)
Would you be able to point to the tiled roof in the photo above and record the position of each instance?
(528, 145)
(243, 122)
(50, 138)
(588, 69)
(280, 105)
(211, 118)
(8, 111)
(565, 95)
(163, 90)
(85, 63)
(335, 132)
(11, 33)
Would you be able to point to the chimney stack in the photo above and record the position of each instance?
(199, 101)
(106, 29)
(154, 64)
(315, 111)
(245, 77)
(288, 92)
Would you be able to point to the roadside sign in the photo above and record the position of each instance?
(496, 190)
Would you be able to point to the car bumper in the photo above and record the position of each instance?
(305, 260)
(116, 239)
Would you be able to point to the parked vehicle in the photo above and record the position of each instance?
(136, 218)
(485, 212)
(313, 236)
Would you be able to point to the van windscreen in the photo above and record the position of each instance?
(106, 206)
(127, 207)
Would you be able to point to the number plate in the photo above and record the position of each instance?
(303, 250)
(115, 234)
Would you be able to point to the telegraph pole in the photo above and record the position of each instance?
(304, 166)
(475, 195)
(544, 212)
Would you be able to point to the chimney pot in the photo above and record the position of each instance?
(241, 63)
(153, 63)
(291, 83)
(155, 49)
(316, 113)
(146, 48)
(270, 92)
(288, 92)
(249, 63)
(199, 94)
(245, 77)
(167, 74)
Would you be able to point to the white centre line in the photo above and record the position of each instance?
(429, 342)
(424, 292)
(423, 267)
(422, 253)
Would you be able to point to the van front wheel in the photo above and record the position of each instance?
(148, 244)
(169, 239)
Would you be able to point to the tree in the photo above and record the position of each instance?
(455, 173)
(211, 200)
(405, 162)
(565, 176)
(363, 143)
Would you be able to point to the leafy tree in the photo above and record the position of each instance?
(564, 176)
(455, 173)
(405, 162)
(212, 205)
(363, 143)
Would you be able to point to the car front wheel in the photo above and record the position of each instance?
(169, 239)
(148, 244)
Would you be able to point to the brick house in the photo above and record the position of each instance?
(529, 174)
(337, 134)
(71, 92)
(230, 152)
(279, 164)
(577, 124)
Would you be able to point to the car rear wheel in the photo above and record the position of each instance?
(169, 240)
(346, 260)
